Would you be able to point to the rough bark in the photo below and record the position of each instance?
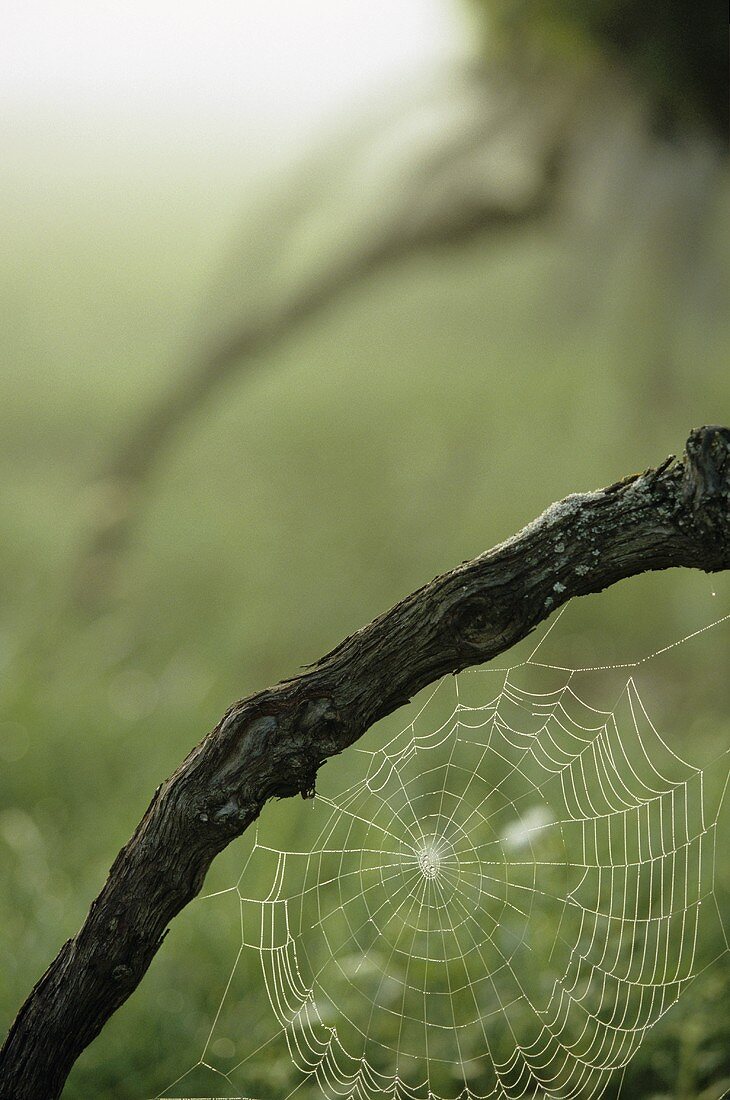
(273, 743)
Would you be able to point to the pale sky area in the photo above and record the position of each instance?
(261, 61)
(137, 135)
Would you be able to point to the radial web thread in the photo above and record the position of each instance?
(502, 905)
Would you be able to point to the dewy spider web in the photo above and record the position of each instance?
(500, 906)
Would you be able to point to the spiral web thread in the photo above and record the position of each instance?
(501, 906)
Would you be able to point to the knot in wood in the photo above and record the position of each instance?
(325, 729)
(323, 723)
(478, 620)
(122, 973)
(299, 773)
(236, 813)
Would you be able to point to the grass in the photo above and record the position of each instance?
(423, 418)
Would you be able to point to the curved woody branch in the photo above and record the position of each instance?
(273, 743)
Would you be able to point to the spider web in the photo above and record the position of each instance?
(502, 902)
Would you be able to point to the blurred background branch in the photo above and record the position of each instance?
(613, 115)
(288, 292)
(426, 175)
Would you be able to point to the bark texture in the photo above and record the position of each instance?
(272, 744)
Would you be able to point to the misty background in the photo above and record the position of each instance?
(303, 305)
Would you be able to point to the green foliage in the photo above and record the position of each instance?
(676, 48)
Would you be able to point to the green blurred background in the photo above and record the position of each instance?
(433, 403)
